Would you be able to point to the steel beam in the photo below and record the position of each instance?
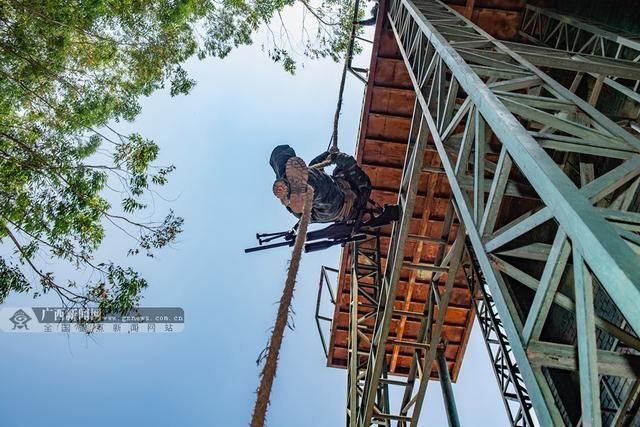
(365, 265)
(533, 23)
(567, 357)
(447, 390)
(587, 349)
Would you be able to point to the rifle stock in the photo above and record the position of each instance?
(326, 244)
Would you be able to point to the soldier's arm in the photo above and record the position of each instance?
(319, 159)
(344, 161)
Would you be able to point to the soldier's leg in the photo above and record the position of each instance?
(328, 198)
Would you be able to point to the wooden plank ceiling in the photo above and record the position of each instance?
(500, 18)
(384, 131)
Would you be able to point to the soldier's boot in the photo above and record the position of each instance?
(297, 174)
(281, 191)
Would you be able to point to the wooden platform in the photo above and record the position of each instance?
(500, 18)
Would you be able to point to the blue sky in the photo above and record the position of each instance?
(219, 138)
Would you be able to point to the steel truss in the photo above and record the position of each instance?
(577, 35)
(368, 402)
(364, 294)
(580, 38)
(511, 125)
(548, 28)
(514, 392)
(324, 282)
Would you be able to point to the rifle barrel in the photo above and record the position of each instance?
(271, 246)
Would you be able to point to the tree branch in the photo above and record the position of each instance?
(47, 281)
(317, 16)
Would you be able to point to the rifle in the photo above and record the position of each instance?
(338, 233)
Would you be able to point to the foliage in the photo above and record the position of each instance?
(70, 71)
(233, 25)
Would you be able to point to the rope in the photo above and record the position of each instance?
(333, 143)
(271, 364)
(273, 350)
(322, 164)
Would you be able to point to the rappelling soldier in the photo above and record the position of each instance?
(341, 196)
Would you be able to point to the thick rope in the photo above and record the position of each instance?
(333, 144)
(336, 118)
(322, 164)
(271, 364)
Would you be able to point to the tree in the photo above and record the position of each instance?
(70, 71)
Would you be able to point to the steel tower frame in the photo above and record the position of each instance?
(546, 27)
(512, 388)
(473, 91)
(369, 385)
(364, 293)
(573, 35)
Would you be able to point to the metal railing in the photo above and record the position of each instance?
(324, 283)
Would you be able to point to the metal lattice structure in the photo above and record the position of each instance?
(546, 202)
(512, 388)
(552, 29)
(364, 302)
(479, 95)
(428, 339)
(578, 38)
(573, 35)
(368, 376)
